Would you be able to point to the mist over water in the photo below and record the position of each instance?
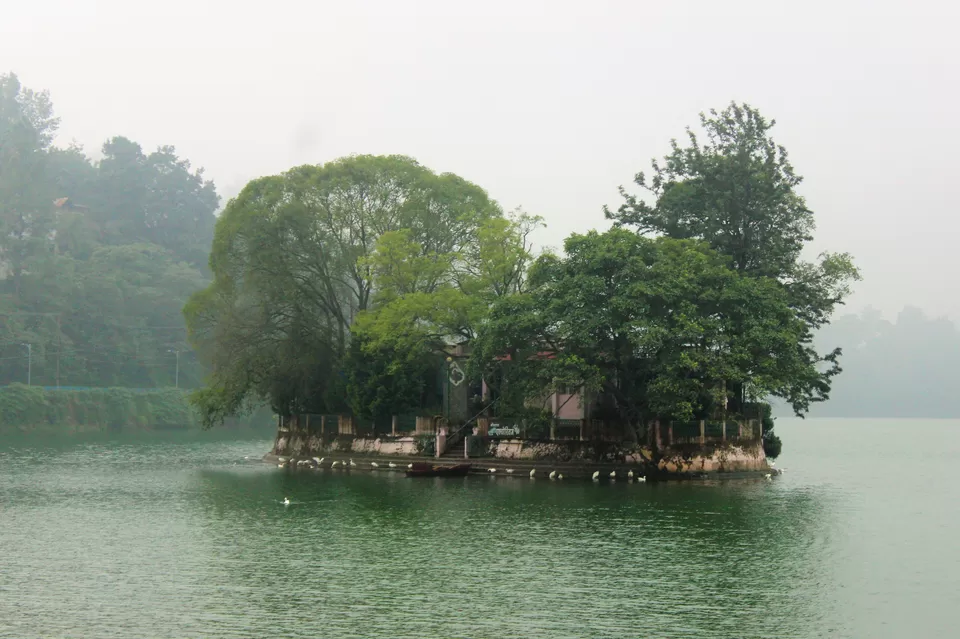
(180, 535)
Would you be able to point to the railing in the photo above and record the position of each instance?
(457, 436)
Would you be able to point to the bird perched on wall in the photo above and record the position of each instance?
(560, 476)
(613, 474)
(374, 465)
(509, 471)
(353, 464)
(409, 466)
(630, 474)
(596, 475)
(768, 476)
(392, 465)
(334, 464)
(533, 472)
(286, 501)
(553, 474)
(641, 479)
(491, 470)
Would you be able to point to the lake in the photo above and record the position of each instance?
(184, 535)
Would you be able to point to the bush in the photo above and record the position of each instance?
(426, 444)
(772, 446)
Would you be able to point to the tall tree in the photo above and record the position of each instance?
(27, 127)
(292, 270)
(736, 190)
(657, 325)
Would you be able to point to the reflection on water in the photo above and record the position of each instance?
(177, 536)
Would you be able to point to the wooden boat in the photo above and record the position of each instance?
(422, 469)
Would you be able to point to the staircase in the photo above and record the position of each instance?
(454, 449)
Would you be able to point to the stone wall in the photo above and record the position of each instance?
(709, 458)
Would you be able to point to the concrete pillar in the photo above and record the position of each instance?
(703, 432)
(393, 426)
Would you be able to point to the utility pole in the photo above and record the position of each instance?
(29, 362)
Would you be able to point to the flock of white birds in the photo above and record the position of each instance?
(317, 462)
(554, 475)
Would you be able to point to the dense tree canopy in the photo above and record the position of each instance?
(96, 258)
(661, 326)
(295, 262)
(736, 191)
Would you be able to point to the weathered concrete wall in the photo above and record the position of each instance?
(299, 445)
(710, 458)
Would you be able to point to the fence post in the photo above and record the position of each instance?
(703, 432)
(670, 434)
(724, 427)
(393, 426)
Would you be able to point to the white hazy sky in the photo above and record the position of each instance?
(548, 105)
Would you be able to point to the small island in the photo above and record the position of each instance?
(390, 313)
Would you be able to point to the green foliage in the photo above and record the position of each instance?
(425, 444)
(96, 258)
(736, 191)
(658, 324)
(298, 257)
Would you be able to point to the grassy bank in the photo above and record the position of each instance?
(31, 408)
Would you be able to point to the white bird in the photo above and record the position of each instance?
(375, 464)
(768, 476)
(533, 472)
(409, 466)
(553, 474)
(283, 459)
(392, 465)
(491, 470)
(353, 464)
(509, 471)
(286, 501)
(560, 476)
(334, 464)
(319, 460)
(596, 475)
(630, 474)
(613, 474)
(281, 465)
(641, 479)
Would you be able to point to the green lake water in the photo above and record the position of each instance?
(185, 536)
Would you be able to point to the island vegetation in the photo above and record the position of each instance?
(339, 288)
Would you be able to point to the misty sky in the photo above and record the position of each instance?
(548, 105)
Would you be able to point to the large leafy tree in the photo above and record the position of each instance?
(426, 302)
(658, 325)
(735, 189)
(293, 268)
(27, 127)
(96, 258)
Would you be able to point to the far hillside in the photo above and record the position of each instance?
(907, 367)
(96, 257)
